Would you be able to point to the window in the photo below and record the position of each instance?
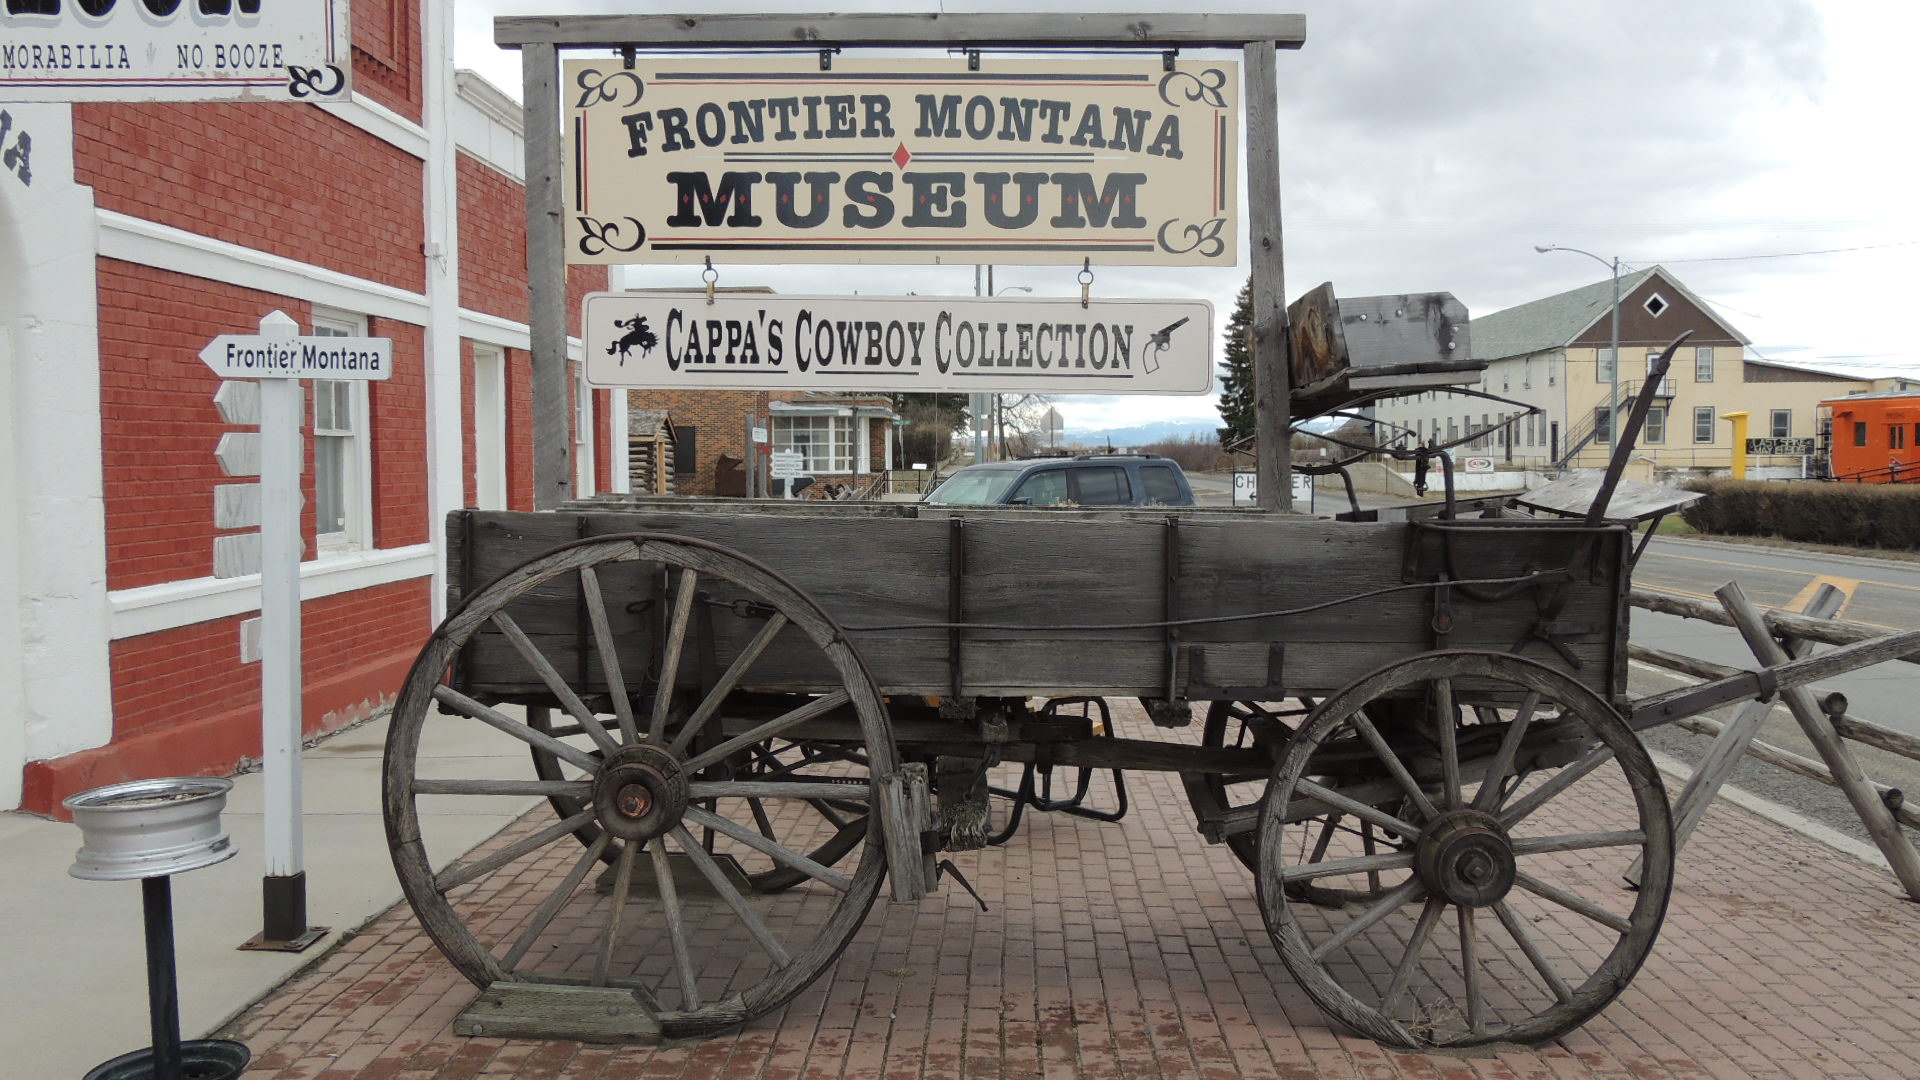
(686, 449)
(1552, 373)
(1603, 366)
(1655, 305)
(1526, 374)
(1160, 484)
(489, 428)
(1653, 358)
(1896, 436)
(1655, 431)
(826, 441)
(1045, 488)
(1103, 486)
(1859, 433)
(1703, 424)
(1703, 363)
(342, 462)
(582, 435)
(1602, 425)
(1782, 423)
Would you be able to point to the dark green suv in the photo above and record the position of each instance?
(1086, 480)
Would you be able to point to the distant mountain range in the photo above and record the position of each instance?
(1144, 434)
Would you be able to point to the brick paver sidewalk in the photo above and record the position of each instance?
(1133, 949)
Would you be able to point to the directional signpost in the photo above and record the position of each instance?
(279, 358)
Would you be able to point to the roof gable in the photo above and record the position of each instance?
(1554, 322)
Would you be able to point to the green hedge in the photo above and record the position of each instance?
(1850, 515)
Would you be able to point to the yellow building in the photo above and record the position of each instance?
(1553, 354)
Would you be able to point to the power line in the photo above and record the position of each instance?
(1790, 254)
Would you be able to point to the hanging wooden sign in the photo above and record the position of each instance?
(919, 344)
(902, 161)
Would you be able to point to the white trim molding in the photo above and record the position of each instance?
(380, 122)
(174, 604)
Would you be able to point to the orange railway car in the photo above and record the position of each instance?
(1871, 438)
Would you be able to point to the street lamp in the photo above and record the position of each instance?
(1613, 393)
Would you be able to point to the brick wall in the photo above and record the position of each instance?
(263, 176)
(184, 704)
(398, 423)
(386, 54)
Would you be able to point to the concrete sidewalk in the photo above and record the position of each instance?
(73, 989)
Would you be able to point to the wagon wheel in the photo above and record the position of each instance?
(1269, 724)
(672, 921)
(1525, 800)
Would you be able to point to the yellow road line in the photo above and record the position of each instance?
(1776, 570)
(1846, 585)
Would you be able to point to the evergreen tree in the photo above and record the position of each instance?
(1236, 379)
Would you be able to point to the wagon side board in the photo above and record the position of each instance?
(1074, 605)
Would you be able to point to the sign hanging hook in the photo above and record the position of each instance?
(1086, 280)
(709, 275)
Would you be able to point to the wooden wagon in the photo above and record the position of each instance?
(746, 717)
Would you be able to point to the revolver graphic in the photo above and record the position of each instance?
(1157, 343)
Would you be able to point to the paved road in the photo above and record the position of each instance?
(1879, 592)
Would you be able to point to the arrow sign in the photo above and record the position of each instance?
(255, 356)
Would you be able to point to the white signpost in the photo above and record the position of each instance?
(279, 358)
(916, 344)
(175, 50)
(786, 465)
(1246, 489)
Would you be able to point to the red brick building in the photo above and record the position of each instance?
(142, 232)
(843, 438)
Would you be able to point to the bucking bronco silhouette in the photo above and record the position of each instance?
(636, 334)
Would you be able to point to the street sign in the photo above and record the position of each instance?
(238, 453)
(773, 160)
(1050, 424)
(1800, 446)
(786, 464)
(916, 344)
(759, 435)
(1246, 489)
(254, 356)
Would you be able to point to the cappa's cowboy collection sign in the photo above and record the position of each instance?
(684, 341)
(911, 161)
(174, 50)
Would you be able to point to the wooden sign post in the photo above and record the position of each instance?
(279, 358)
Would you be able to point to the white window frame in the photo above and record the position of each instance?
(833, 456)
(1603, 365)
(489, 427)
(1653, 357)
(1703, 363)
(1654, 431)
(1656, 305)
(1775, 428)
(355, 441)
(1603, 425)
(1703, 412)
(582, 433)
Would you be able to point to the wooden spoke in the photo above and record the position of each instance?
(1470, 972)
(816, 707)
(1517, 812)
(1394, 765)
(1403, 971)
(827, 811)
(728, 680)
(569, 700)
(760, 818)
(552, 905)
(1444, 734)
(676, 929)
(1536, 845)
(1571, 902)
(670, 659)
(1418, 998)
(575, 789)
(460, 874)
(1518, 931)
(1489, 796)
(1406, 892)
(609, 656)
(769, 848)
(724, 888)
(1393, 860)
(466, 706)
(1356, 808)
(622, 890)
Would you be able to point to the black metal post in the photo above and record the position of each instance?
(163, 993)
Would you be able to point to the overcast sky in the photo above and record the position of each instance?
(1429, 146)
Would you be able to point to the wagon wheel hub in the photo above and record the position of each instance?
(1466, 857)
(640, 793)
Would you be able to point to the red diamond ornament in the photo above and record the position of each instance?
(901, 157)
